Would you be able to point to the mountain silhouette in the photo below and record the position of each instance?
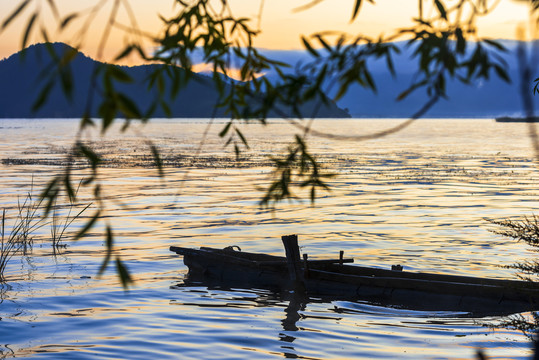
(481, 98)
(33, 74)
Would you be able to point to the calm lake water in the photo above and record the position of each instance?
(417, 198)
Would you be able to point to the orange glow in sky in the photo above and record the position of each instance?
(281, 25)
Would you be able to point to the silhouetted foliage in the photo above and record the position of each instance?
(526, 230)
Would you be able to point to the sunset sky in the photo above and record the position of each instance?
(281, 25)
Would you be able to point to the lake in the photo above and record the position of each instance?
(418, 198)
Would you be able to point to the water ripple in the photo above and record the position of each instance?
(418, 198)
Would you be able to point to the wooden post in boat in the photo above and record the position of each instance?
(305, 266)
(291, 248)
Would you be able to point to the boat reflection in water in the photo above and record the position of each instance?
(301, 314)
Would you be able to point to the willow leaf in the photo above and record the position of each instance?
(356, 9)
(108, 241)
(28, 30)
(441, 9)
(68, 19)
(157, 159)
(88, 225)
(14, 14)
(43, 95)
(123, 272)
(309, 47)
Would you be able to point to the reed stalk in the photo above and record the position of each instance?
(27, 221)
(19, 239)
(60, 224)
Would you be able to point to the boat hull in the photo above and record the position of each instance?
(333, 281)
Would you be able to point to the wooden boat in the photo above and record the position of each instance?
(335, 279)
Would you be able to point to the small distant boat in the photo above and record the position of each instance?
(517, 119)
(334, 279)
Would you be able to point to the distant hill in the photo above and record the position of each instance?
(479, 99)
(25, 73)
(482, 98)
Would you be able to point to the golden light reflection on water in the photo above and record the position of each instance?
(417, 198)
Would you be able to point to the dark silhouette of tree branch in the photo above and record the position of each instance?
(445, 46)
